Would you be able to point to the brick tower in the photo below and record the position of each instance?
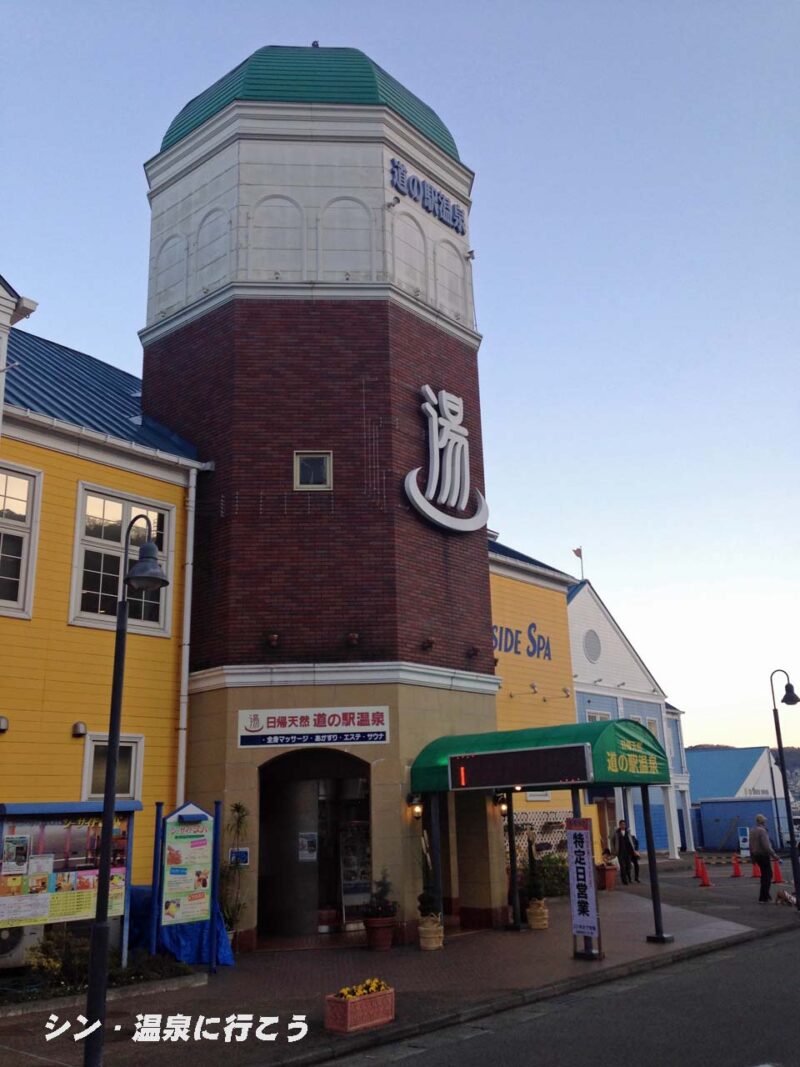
(310, 328)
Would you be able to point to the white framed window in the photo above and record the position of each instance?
(129, 766)
(313, 471)
(598, 716)
(103, 516)
(20, 496)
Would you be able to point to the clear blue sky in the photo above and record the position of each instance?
(636, 228)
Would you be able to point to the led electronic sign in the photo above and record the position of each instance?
(561, 766)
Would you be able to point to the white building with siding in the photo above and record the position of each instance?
(612, 682)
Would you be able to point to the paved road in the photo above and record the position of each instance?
(736, 1008)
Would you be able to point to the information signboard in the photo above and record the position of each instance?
(356, 866)
(314, 726)
(188, 864)
(49, 869)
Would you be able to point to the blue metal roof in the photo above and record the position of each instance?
(498, 549)
(719, 772)
(50, 379)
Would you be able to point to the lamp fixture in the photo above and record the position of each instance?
(3, 724)
(789, 697)
(427, 644)
(597, 681)
(353, 638)
(392, 203)
(273, 640)
(533, 688)
(566, 691)
(414, 801)
(499, 800)
(620, 685)
(472, 651)
(79, 729)
(145, 575)
(470, 254)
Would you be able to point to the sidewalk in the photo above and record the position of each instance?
(475, 974)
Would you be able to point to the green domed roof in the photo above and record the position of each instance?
(311, 76)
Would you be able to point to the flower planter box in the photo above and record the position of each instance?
(360, 1013)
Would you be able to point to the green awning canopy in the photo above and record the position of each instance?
(623, 753)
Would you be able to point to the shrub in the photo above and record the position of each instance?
(552, 869)
(59, 965)
(380, 905)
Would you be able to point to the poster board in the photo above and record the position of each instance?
(355, 857)
(188, 866)
(49, 868)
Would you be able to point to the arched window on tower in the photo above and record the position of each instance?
(212, 257)
(276, 247)
(410, 265)
(346, 242)
(450, 285)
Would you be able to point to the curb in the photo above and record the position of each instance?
(360, 1042)
(120, 992)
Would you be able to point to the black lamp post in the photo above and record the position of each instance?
(144, 575)
(789, 697)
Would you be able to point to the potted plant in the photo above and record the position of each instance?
(606, 872)
(431, 927)
(232, 903)
(359, 1007)
(379, 915)
(538, 918)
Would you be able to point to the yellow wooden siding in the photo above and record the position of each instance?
(55, 674)
(515, 606)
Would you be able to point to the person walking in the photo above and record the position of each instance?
(762, 853)
(625, 848)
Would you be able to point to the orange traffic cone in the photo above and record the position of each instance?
(776, 873)
(737, 870)
(705, 881)
(756, 871)
(697, 862)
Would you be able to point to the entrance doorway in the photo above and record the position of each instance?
(314, 818)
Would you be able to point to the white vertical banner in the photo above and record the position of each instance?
(582, 891)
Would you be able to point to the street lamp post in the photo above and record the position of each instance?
(789, 697)
(144, 575)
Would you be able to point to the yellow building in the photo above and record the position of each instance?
(77, 462)
(530, 636)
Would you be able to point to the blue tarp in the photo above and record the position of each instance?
(187, 942)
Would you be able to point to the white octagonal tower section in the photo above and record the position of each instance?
(281, 199)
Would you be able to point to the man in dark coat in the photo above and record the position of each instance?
(762, 853)
(626, 848)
